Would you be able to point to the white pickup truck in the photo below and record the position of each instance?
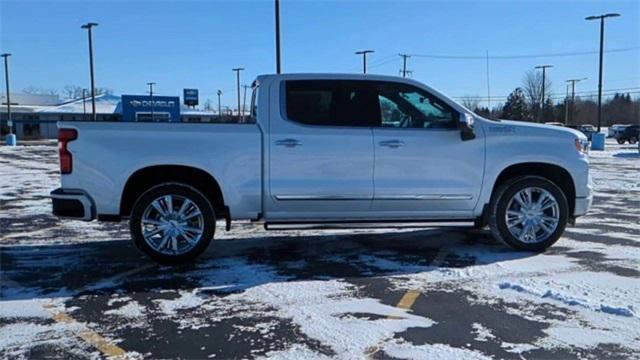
(325, 150)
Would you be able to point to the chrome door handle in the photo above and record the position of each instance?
(394, 144)
(289, 142)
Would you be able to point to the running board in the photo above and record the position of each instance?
(366, 225)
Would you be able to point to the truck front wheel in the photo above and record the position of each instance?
(172, 223)
(529, 213)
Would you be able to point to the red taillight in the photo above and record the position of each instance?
(66, 159)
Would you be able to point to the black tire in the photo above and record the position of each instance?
(182, 191)
(503, 196)
(633, 140)
(620, 141)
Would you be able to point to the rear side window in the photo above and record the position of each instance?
(332, 103)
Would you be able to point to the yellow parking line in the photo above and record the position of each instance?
(408, 299)
(91, 337)
(406, 302)
(104, 345)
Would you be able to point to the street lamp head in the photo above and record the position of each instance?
(596, 17)
(89, 25)
(5, 55)
(151, 83)
(237, 69)
(364, 52)
(543, 66)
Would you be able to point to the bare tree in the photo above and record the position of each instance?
(32, 90)
(470, 102)
(39, 91)
(532, 86)
(72, 91)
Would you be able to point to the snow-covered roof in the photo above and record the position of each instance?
(105, 104)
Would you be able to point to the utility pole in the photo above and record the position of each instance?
(566, 106)
(544, 80)
(573, 95)
(244, 98)
(364, 58)
(84, 104)
(404, 64)
(89, 26)
(219, 92)
(601, 17)
(237, 70)
(10, 139)
(488, 87)
(151, 98)
(278, 64)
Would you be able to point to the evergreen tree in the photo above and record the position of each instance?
(516, 106)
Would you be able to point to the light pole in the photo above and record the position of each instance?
(364, 59)
(573, 95)
(278, 65)
(151, 98)
(10, 136)
(237, 70)
(404, 64)
(544, 80)
(601, 17)
(244, 98)
(89, 26)
(219, 92)
(84, 104)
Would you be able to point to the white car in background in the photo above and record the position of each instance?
(326, 149)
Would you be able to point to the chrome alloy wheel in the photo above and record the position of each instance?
(172, 224)
(532, 215)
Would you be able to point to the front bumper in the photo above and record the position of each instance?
(72, 204)
(583, 204)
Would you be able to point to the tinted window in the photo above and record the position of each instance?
(406, 106)
(332, 102)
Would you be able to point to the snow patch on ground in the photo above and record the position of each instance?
(404, 350)
(131, 310)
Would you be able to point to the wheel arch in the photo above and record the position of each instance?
(145, 178)
(554, 173)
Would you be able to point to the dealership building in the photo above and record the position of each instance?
(35, 116)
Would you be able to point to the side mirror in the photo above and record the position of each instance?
(466, 127)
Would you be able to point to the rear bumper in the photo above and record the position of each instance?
(72, 204)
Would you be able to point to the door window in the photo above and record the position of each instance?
(332, 103)
(406, 106)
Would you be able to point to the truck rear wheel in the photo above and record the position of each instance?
(172, 223)
(529, 213)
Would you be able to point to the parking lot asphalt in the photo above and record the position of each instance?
(72, 289)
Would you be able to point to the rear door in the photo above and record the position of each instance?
(321, 150)
(422, 167)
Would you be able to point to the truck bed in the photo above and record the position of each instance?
(106, 154)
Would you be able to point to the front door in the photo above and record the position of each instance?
(321, 150)
(422, 167)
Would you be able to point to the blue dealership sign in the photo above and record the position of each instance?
(139, 108)
(190, 97)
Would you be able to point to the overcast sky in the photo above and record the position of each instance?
(181, 44)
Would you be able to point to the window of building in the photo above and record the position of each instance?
(31, 130)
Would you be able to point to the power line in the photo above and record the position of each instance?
(632, 90)
(527, 56)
